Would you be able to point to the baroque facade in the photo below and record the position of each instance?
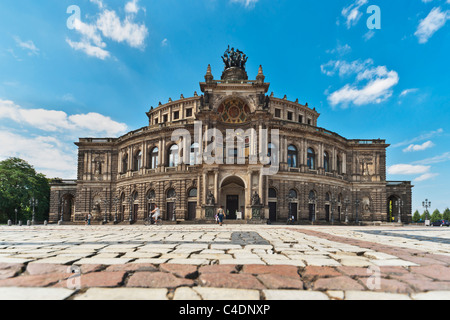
(181, 162)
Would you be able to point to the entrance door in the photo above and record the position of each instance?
(273, 211)
(294, 210)
(170, 208)
(192, 208)
(232, 206)
(327, 213)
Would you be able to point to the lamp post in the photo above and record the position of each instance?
(347, 203)
(106, 202)
(400, 206)
(312, 202)
(63, 203)
(15, 221)
(131, 201)
(426, 204)
(289, 199)
(116, 203)
(174, 215)
(333, 203)
(357, 202)
(34, 203)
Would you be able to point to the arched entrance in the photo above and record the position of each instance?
(393, 208)
(232, 197)
(67, 207)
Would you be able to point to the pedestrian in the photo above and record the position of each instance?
(220, 215)
(89, 219)
(156, 214)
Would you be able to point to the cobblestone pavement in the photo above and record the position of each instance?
(233, 262)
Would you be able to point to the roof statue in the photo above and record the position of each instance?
(234, 58)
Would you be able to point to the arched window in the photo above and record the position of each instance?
(312, 195)
(154, 158)
(193, 154)
(171, 193)
(326, 161)
(311, 159)
(327, 196)
(192, 193)
(125, 163)
(173, 156)
(151, 195)
(137, 161)
(272, 193)
(293, 194)
(292, 156)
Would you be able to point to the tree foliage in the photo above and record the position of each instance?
(19, 183)
(436, 216)
(416, 216)
(446, 215)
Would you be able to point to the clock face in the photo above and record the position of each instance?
(234, 111)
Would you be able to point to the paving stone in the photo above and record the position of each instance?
(319, 271)
(40, 280)
(237, 281)
(437, 272)
(220, 269)
(432, 295)
(294, 295)
(275, 281)
(185, 293)
(157, 280)
(123, 294)
(227, 294)
(282, 270)
(183, 271)
(371, 295)
(337, 283)
(14, 293)
(132, 267)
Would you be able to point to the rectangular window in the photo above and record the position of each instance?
(188, 113)
(309, 121)
(165, 117)
(300, 119)
(290, 115)
(278, 113)
(156, 120)
(176, 115)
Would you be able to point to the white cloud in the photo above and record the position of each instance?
(352, 14)
(435, 20)
(247, 3)
(109, 26)
(422, 137)
(165, 42)
(419, 147)
(408, 91)
(59, 121)
(27, 45)
(132, 7)
(407, 169)
(127, 31)
(426, 176)
(89, 49)
(376, 87)
(47, 154)
(436, 159)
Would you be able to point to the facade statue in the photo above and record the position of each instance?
(210, 199)
(234, 58)
(256, 199)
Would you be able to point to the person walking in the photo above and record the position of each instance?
(157, 214)
(220, 215)
(89, 219)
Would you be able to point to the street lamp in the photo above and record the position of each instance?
(400, 206)
(333, 203)
(174, 215)
(116, 203)
(15, 221)
(357, 202)
(131, 200)
(106, 202)
(34, 203)
(426, 204)
(312, 202)
(347, 203)
(289, 199)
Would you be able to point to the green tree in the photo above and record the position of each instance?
(19, 182)
(416, 216)
(436, 216)
(446, 215)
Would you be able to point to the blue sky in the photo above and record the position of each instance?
(65, 76)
